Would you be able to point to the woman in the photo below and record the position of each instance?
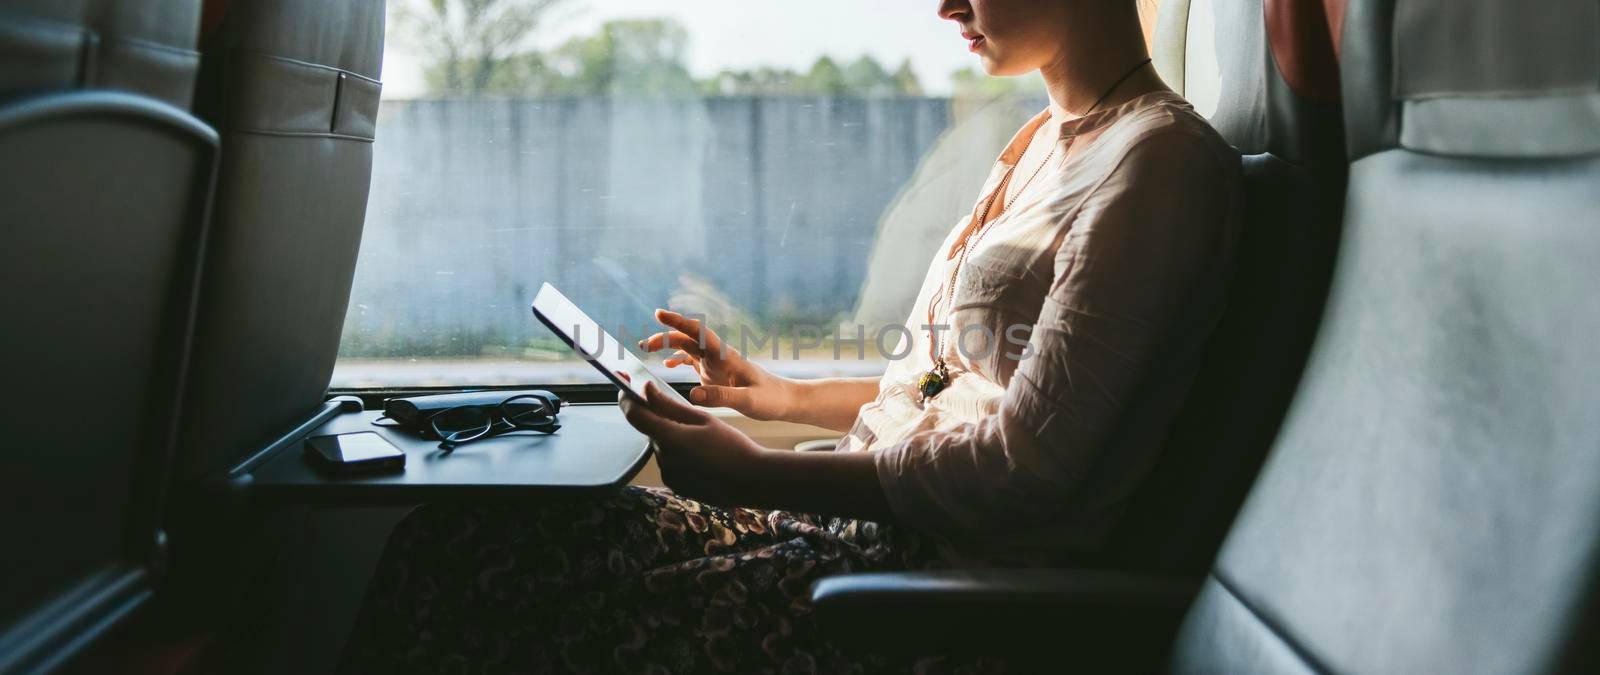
(1076, 293)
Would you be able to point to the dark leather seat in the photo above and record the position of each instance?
(1430, 503)
(107, 181)
(1265, 74)
(293, 87)
(144, 47)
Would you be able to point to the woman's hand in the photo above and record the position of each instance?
(700, 456)
(703, 458)
(727, 379)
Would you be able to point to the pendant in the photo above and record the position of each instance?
(933, 381)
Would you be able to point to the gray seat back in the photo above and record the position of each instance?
(1268, 81)
(293, 87)
(145, 47)
(1430, 504)
(103, 206)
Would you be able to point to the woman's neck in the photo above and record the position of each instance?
(1089, 65)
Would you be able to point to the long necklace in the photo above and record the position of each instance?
(937, 378)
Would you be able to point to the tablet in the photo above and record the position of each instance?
(582, 334)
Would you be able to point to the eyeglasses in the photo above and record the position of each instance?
(466, 423)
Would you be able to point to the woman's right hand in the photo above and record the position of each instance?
(727, 379)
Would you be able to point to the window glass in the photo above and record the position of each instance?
(783, 169)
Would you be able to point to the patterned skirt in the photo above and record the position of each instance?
(641, 581)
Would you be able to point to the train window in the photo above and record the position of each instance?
(784, 173)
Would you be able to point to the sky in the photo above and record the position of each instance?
(744, 34)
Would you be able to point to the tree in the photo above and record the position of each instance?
(824, 79)
(630, 56)
(905, 80)
(763, 81)
(523, 74)
(864, 77)
(467, 41)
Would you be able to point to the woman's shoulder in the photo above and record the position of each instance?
(1163, 120)
(1161, 152)
(1161, 136)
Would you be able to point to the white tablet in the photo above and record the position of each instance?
(582, 334)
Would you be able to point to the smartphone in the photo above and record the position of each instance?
(359, 452)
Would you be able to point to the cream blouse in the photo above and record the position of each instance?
(1110, 268)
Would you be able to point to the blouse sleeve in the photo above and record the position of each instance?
(1158, 228)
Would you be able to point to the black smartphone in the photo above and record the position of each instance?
(359, 452)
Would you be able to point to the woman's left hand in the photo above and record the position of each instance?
(700, 456)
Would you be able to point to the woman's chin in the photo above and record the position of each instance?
(995, 65)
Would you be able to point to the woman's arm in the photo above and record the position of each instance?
(1140, 271)
(704, 458)
(729, 380)
(832, 483)
(1128, 270)
(831, 403)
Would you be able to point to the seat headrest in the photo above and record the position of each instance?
(1487, 78)
(1211, 54)
(1300, 35)
(1263, 71)
(146, 47)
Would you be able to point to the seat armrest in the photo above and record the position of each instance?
(1118, 619)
